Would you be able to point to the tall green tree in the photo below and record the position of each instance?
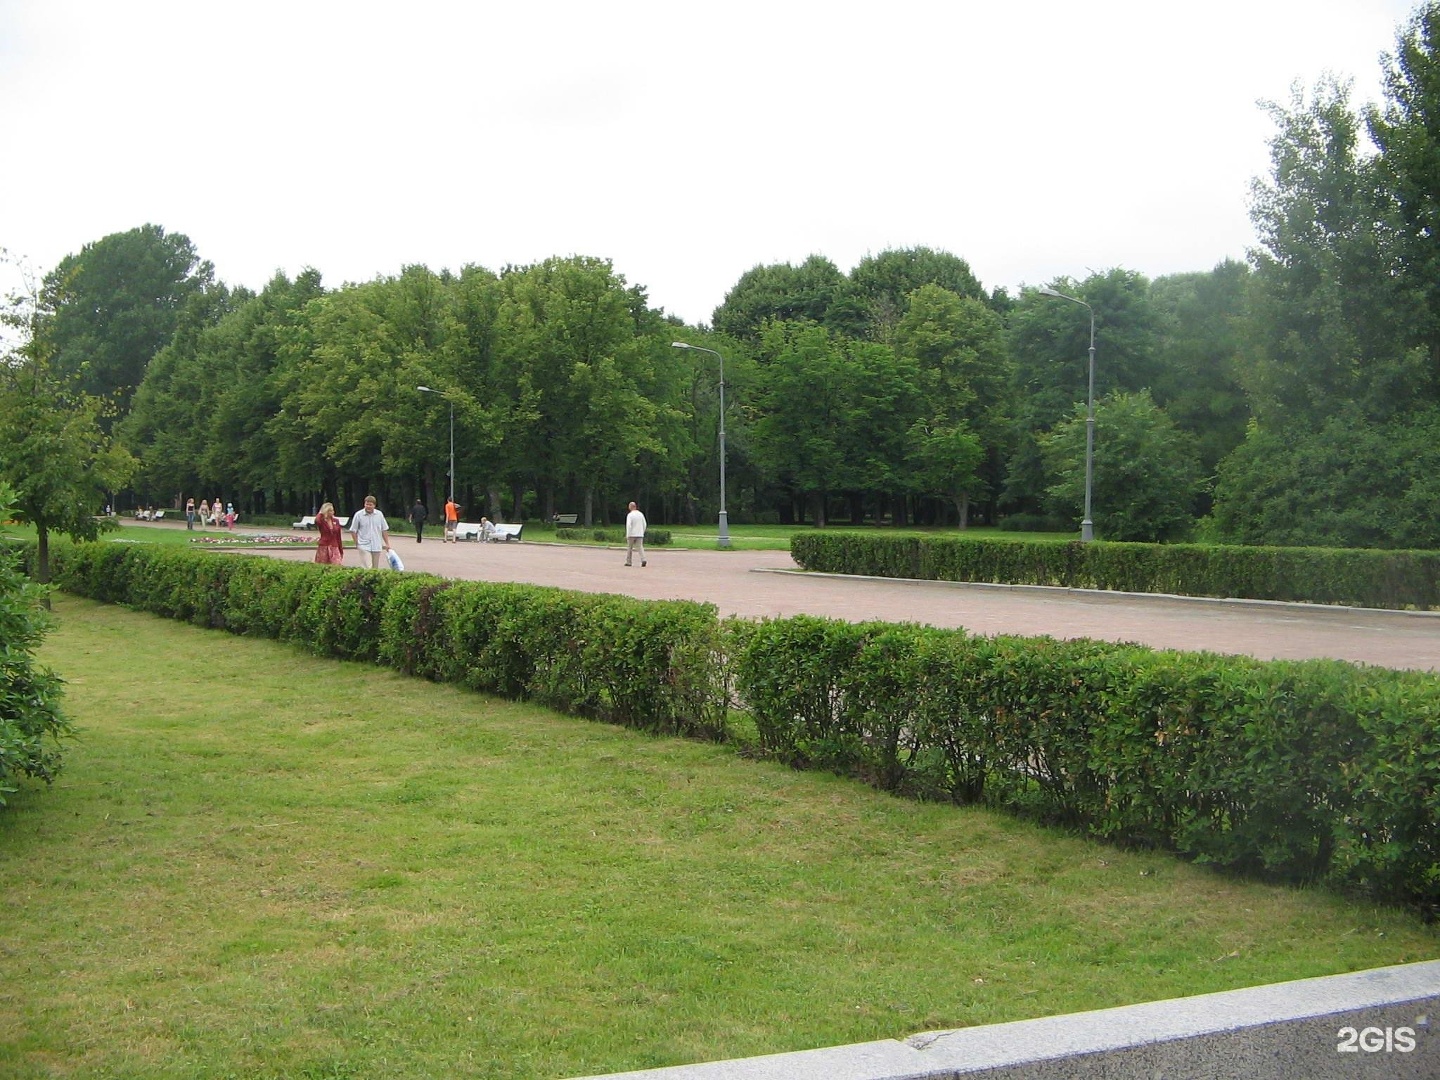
(1328, 318)
(1201, 317)
(1049, 349)
(1146, 471)
(1406, 129)
(882, 284)
(959, 346)
(783, 293)
(834, 414)
(107, 310)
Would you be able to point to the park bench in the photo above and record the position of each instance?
(469, 530)
(565, 521)
(306, 522)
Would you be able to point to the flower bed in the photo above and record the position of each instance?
(256, 540)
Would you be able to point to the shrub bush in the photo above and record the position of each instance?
(1317, 771)
(32, 726)
(1379, 579)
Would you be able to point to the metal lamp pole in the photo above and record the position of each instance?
(723, 539)
(427, 390)
(1087, 526)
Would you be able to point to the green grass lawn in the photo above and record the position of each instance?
(262, 864)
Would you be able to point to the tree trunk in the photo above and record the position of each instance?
(962, 504)
(42, 560)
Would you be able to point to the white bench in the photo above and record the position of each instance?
(467, 530)
(306, 522)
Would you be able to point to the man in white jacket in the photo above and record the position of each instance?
(634, 534)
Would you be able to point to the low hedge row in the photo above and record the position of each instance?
(1379, 579)
(1317, 771)
(648, 665)
(1314, 771)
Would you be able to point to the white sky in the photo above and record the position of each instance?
(685, 141)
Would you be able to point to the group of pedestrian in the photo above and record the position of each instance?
(372, 532)
(216, 514)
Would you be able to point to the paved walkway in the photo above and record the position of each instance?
(766, 583)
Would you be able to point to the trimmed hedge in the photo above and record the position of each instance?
(1315, 771)
(1294, 771)
(649, 665)
(1377, 579)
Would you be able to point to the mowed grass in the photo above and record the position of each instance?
(261, 864)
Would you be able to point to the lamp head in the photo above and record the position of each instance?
(681, 345)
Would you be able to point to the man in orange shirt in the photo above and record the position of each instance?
(452, 519)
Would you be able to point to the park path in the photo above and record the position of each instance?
(767, 583)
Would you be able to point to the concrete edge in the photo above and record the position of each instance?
(1109, 594)
(937, 1054)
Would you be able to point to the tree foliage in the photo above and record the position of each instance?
(1146, 471)
(32, 725)
(109, 309)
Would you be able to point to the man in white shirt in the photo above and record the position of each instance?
(634, 534)
(372, 535)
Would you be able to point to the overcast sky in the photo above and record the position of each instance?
(684, 141)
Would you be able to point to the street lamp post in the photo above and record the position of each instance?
(1087, 525)
(723, 539)
(427, 390)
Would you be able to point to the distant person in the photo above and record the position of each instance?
(487, 530)
(204, 512)
(190, 513)
(217, 512)
(372, 535)
(418, 514)
(331, 550)
(452, 519)
(634, 534)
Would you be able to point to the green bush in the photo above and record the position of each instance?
(32, 726)
(1314, 771)
(1378, 579)
(1317, 771)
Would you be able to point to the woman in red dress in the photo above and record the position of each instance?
(331, 536)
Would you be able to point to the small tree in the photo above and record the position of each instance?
(1147, 472)
(31, 724)
(53, 451)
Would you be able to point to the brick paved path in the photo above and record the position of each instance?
(764, 583)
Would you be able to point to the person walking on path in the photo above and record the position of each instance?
(332, 537)
(418, 514)
(452, 520)
(634, 534)
(372, 535)
(190, 513)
